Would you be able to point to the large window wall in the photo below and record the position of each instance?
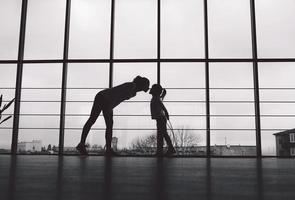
(227, 66)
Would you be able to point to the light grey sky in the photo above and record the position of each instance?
(182, 36)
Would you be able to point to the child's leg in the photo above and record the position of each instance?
(166, 136)
(160, 141)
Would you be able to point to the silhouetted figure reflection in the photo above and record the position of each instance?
(208, 178)
(259, 174)
(60, 176)
(12, 178)
(105, 101)
(160, 184)
(161, 115)
(107, 190)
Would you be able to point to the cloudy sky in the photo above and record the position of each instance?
(182, 36)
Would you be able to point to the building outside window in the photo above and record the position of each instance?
(292, 137)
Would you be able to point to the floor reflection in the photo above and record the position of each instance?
(147, 178)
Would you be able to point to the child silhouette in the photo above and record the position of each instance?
(160, 114)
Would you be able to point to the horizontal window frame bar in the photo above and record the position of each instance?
(144, 129)
(213, 102)
(147, 60)
(134, 115)
(95, 88)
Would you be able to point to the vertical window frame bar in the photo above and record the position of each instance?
(18, 84)
(112, 32)
(64, 78)
(207, 78)
(159, 42)
(255, 78)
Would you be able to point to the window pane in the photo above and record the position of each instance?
(9, 34)
(182, 29)
(95, 140)
(32, 141)
(7, 80)
(84, 81)
(185, 102)
(189, 142)
(136, 29)
(277, 105)
(232, 108)
(40, 107)
(7, 89)
(5, 140)
(233, 143)
(45, 29)
(275, 34)
(229, 29)
(90, 29)
(183, 75)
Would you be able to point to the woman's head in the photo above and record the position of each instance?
(142, 83)
(156, 90)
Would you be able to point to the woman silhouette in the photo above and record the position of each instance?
(105, 101)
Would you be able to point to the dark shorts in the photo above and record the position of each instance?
(102, 102)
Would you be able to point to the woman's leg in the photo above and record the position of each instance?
(108, 118)
(168, 140)
(95, 111)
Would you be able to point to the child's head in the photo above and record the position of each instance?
(142, 83)
(156, 90)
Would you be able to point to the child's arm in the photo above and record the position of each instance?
(165, 110)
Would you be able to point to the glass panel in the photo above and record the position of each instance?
(5, 140)
(275, 34)
(31, 141)
(229, 29)
(45, 29)
(7, 81)
(132, 122)
(9, 34)
(88, 75)
(83, 83)
(40, 108)
(232, 109)
(136, 29)
(268, 143)
(182, 29)
(233, 143)
(7, 89)
(183, 75)
(95, 141)
(185, 102)
(277, 104)
(186, 142)
(133, 108)
(90, 29)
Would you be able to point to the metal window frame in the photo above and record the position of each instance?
(158, 60)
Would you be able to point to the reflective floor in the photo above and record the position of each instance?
(74, 177)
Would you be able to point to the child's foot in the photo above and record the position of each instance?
(110, 153)
(170, 152)
(82, 149)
